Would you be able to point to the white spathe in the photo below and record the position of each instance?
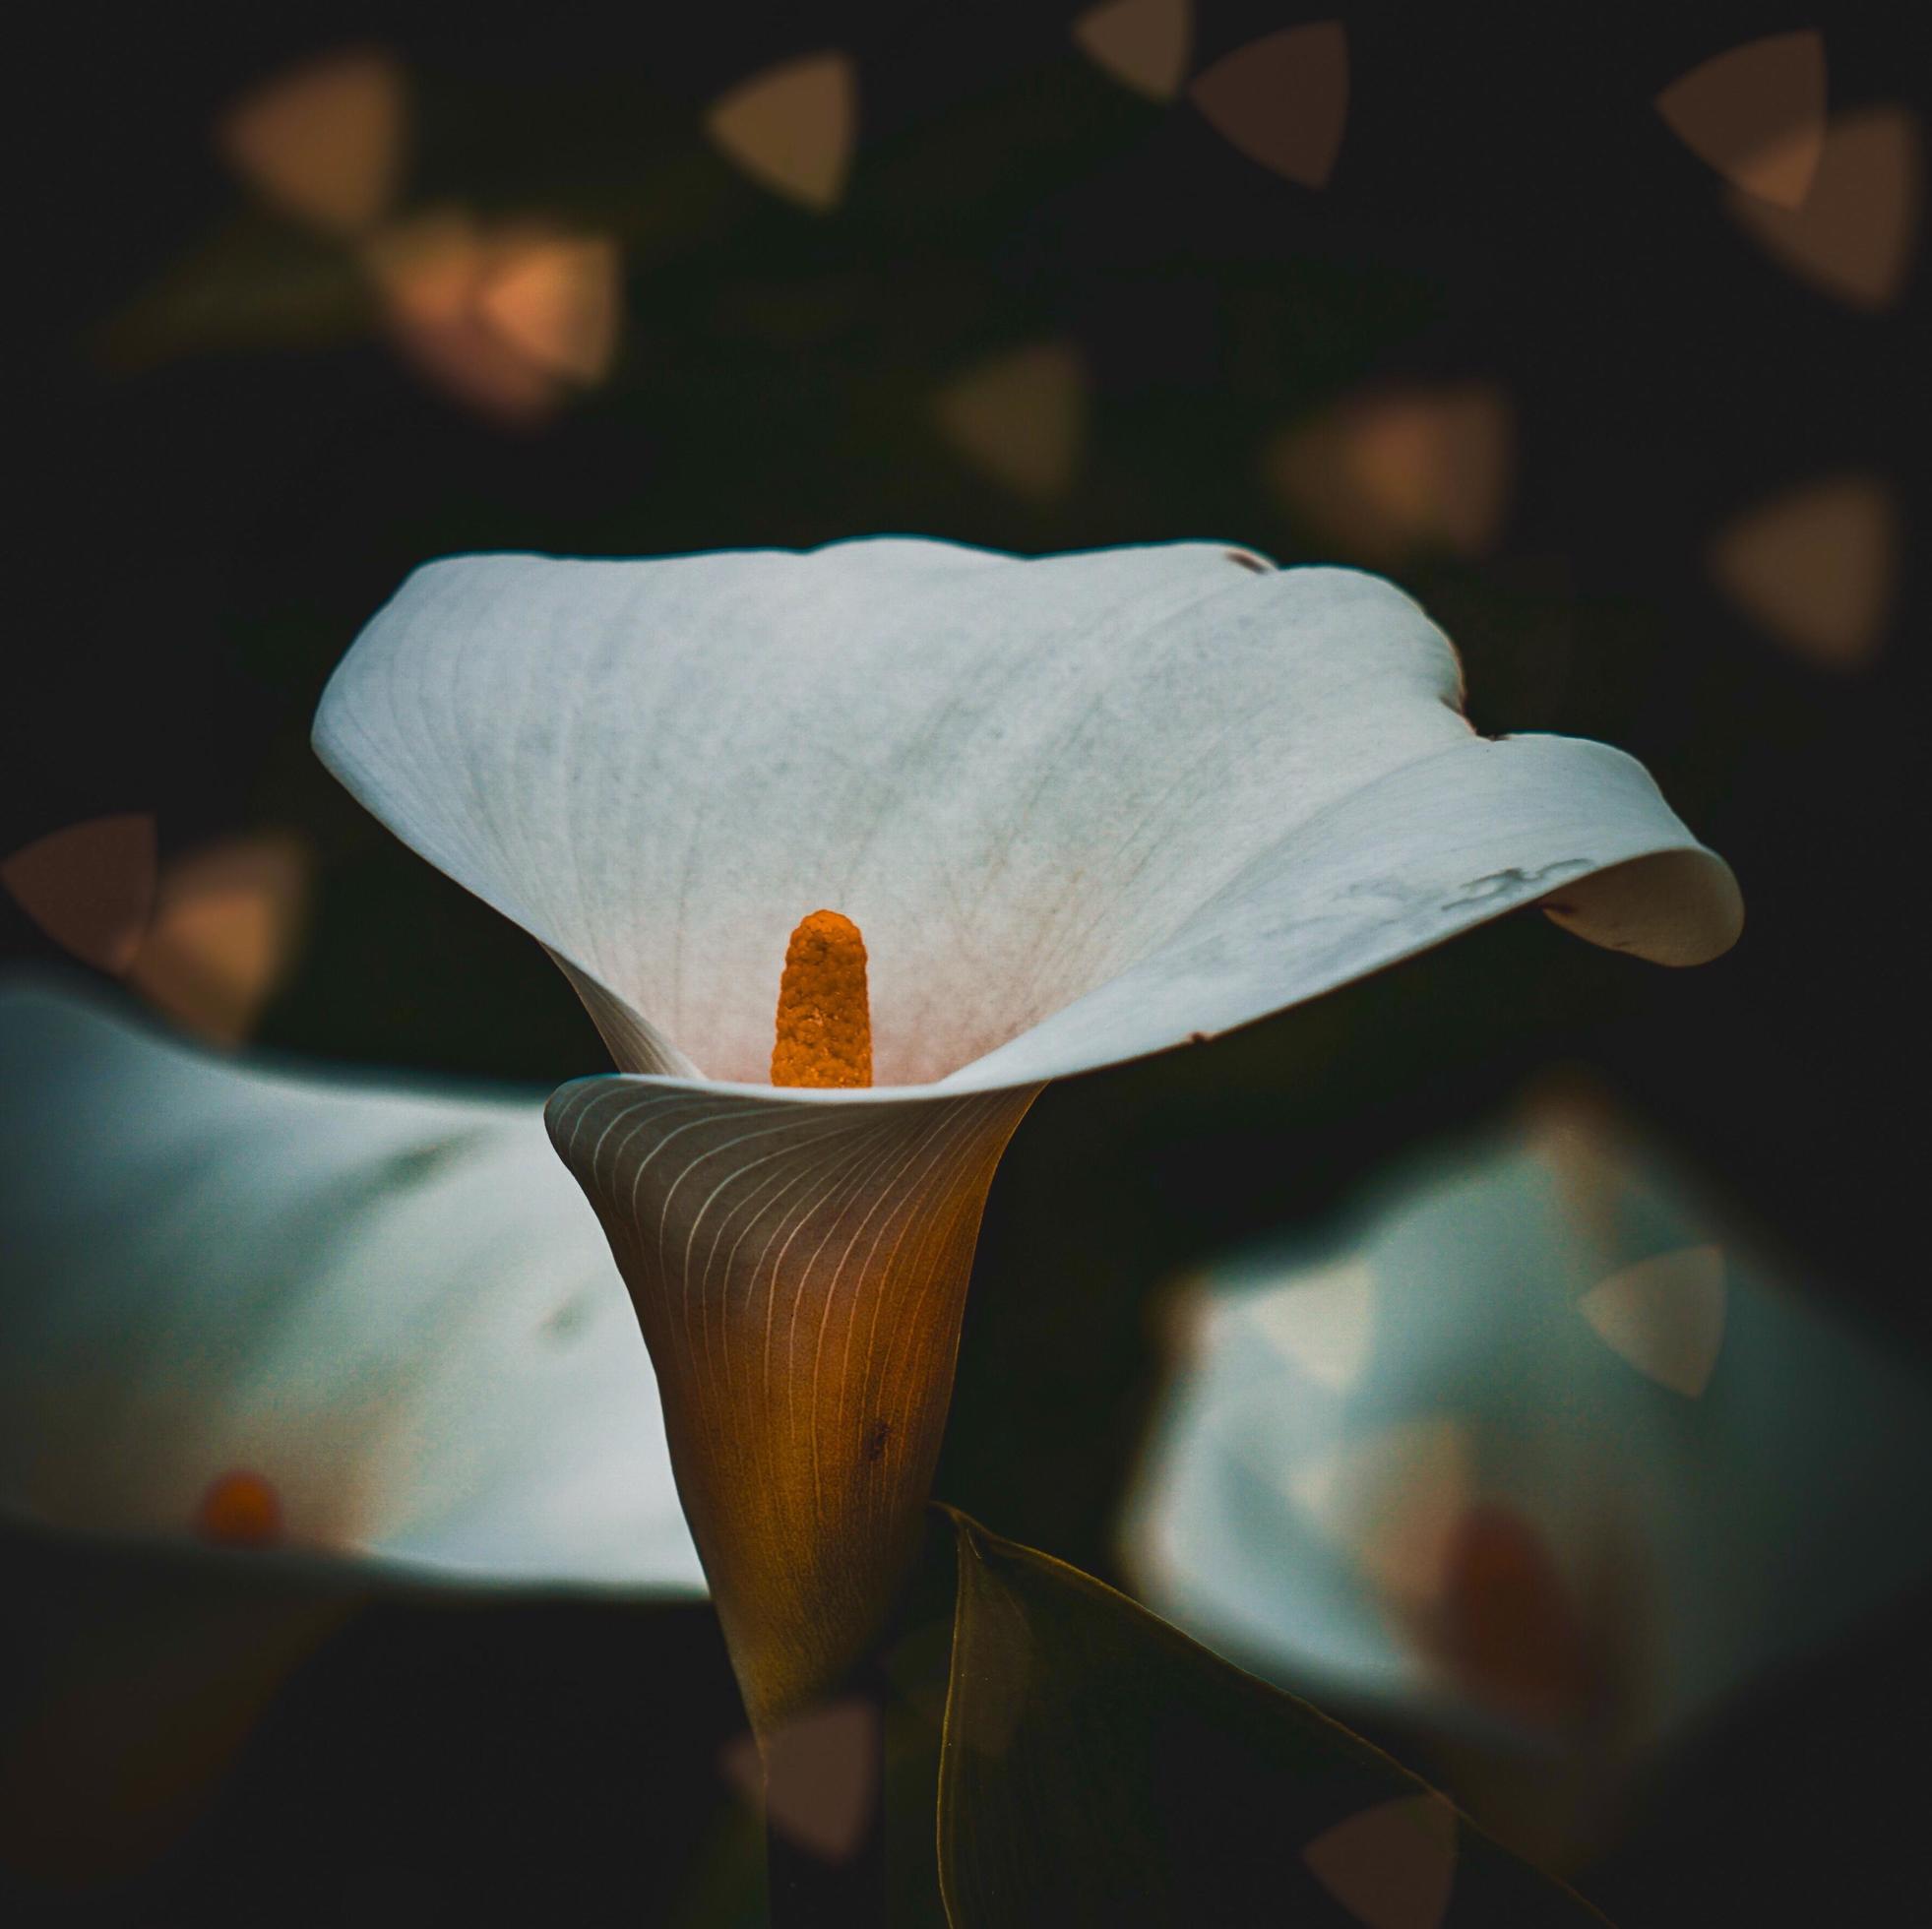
(1082, 807)
(388, 1302)
(1715, 1470)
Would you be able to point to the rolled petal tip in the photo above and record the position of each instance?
(1674, 907)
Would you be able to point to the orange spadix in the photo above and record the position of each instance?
(239, 1509)
(824, 1021)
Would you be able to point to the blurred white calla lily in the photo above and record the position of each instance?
(343, 1316)
(1083, 808)
(1543, 1451)
(301, 1337)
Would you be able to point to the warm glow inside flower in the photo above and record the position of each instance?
(1082, 807)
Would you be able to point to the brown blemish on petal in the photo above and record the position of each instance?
(824, 1020)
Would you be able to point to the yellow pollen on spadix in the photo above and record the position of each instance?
(824, 1021)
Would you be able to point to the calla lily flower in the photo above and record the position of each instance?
(1543, 1450)
(298, 1338)
(300, 1312)
(1082, 808)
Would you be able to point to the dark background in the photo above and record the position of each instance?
(209, 521)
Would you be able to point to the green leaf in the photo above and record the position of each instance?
(1099, 1766)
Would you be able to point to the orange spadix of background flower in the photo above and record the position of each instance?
(239, 1509)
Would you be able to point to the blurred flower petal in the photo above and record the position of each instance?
(1756, 114)
(1283, 100)
(1625, 1558)
(1818, 566)
(226, 926)
(1144, 44)
(387, 1306)
(325, 141)
(793, 128)
(1020, 418)
(1394, 1500)
(89, 887)
(1855, 233)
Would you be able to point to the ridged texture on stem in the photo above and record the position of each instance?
(799, 1269)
